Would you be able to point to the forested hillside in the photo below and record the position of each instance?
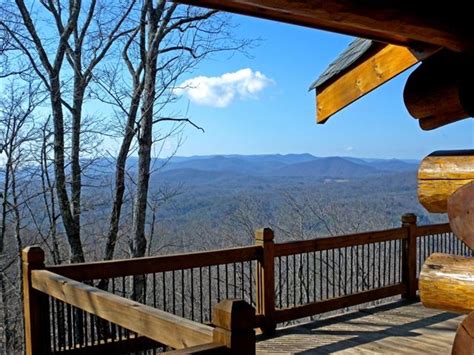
(207, 202)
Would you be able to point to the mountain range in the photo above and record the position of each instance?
(276, 165)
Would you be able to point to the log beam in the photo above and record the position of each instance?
(447, 283)
(464, 340)
(399, 22)
(461, 213)
(441, 91)
(441, 174)
(379, 66)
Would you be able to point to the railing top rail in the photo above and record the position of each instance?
(155, 324)
(155, 264)
(327, 243)
(433, 229)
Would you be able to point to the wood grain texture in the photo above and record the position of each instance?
(447, 282)
(234, 322)
(265, 279)
(35, 304)
(155, 324)
(433, 122)
(400, 23)
(391, 328)
(439, 91)
(440, 175)
(461, 213)
(147, 265)
(434, 194)
(205, 349)
(292, 313)
(464, 339)
(378, 67)
(342, 241)
(433, 229)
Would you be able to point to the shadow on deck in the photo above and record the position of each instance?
(397, 327)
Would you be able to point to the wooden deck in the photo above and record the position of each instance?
(394, 328)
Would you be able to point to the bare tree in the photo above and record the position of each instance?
(169, 41)
(84, 35)
(17, 104)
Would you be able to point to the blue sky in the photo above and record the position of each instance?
(280, 117)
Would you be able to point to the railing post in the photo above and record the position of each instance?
(234, 322)
(409, 256)
(35, 305)
(265, 287)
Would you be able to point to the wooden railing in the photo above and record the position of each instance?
(70, 308)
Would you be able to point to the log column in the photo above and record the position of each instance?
(441, 174)
(447, 283)
(440, 90)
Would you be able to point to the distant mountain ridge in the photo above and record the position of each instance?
(277, 165)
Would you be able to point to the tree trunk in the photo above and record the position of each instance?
(76, 184)
(72, 229)
(119, 189)
(145, 141)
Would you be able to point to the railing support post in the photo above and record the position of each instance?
(234, 322)
(265, 287)
(35, 305)
(409, 256)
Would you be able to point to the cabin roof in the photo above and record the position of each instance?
(354, 52)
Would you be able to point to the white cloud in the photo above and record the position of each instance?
(350, 149)
(220, 91)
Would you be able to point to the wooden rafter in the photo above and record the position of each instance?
(397, 22)
(368, 73)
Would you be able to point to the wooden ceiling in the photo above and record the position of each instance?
(403, 22)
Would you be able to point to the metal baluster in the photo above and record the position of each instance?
(243, 280)
(352, 269)
(69, 324)
(227, 281)
(235, 281)
(183, 300)
(191, 276)
(164, 291)
(314, 276)
(307, 277)
(300, 279)
(114, 327)
(327, 274)
(53, 317)
(279, 282)
(210, 289)
(333, 261)
(287, 284)
(363, 267)
(294, 280)
(173, 292)
(200, 295)
(219, 284)
(249, 263)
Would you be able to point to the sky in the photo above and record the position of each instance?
(260, 104)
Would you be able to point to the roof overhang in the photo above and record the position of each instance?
(375, 66)
(398, 22)
(408, 31)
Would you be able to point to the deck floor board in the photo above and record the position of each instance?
(395, 328)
